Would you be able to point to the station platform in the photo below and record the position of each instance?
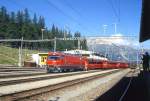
(139, 89)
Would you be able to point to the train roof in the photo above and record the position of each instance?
(78, 52)
(55, 53)
(88, 54)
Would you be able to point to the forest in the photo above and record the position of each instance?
(20, 24)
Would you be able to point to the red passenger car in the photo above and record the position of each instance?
(96, 64)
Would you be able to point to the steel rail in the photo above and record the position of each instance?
(20, 75)
(34, 92)
(32, 78)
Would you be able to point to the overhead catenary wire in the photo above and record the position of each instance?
(21, 5)
(119, 10)
(116, 10)
(30, 10)
(54, 6)
(72, 8)
(58, 9)
(68, 4)
(67, 15)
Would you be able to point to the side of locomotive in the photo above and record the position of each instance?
(61, 62)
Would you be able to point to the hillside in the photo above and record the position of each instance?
(10, 56)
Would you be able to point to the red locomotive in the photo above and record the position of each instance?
(61, 62)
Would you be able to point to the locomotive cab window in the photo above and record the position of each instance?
(54, 57)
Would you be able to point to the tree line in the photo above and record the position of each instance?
(15, 25)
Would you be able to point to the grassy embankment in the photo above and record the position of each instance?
(10, 56)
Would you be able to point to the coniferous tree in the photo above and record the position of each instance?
(35, 20)
(12, 17)
(4, 21)
(35, 27)
(41, 22)
(27, 28)
(4, 14)
(17, 25)
(26, 16)
(20, 18)
(12, 27)
(53, 31)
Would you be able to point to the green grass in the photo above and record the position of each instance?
(10, 56)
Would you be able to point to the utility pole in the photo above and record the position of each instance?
(115, 26)
(137, 59)
(111, 53)
(19, 62)
(42, 30)
(106, 52)
(78, 42)
(142, 49)
(55, 44)
(104, 29)
(20, 53)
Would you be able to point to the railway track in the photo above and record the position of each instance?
(16, 74)
(20, 69)
(37, 77)
(20, 72)
(39, 85)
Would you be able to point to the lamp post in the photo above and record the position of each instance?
(42, 30)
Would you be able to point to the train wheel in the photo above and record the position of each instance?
(60, 70)
(49, 70)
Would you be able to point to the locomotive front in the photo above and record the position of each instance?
(54, 62)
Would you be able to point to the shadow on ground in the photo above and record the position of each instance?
(139, 89)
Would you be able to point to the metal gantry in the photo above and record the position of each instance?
(93, 39)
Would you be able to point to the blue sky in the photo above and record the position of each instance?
(86, 16)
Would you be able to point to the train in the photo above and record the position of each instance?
(84, 60)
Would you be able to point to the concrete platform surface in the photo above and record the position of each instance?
(139, 89)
